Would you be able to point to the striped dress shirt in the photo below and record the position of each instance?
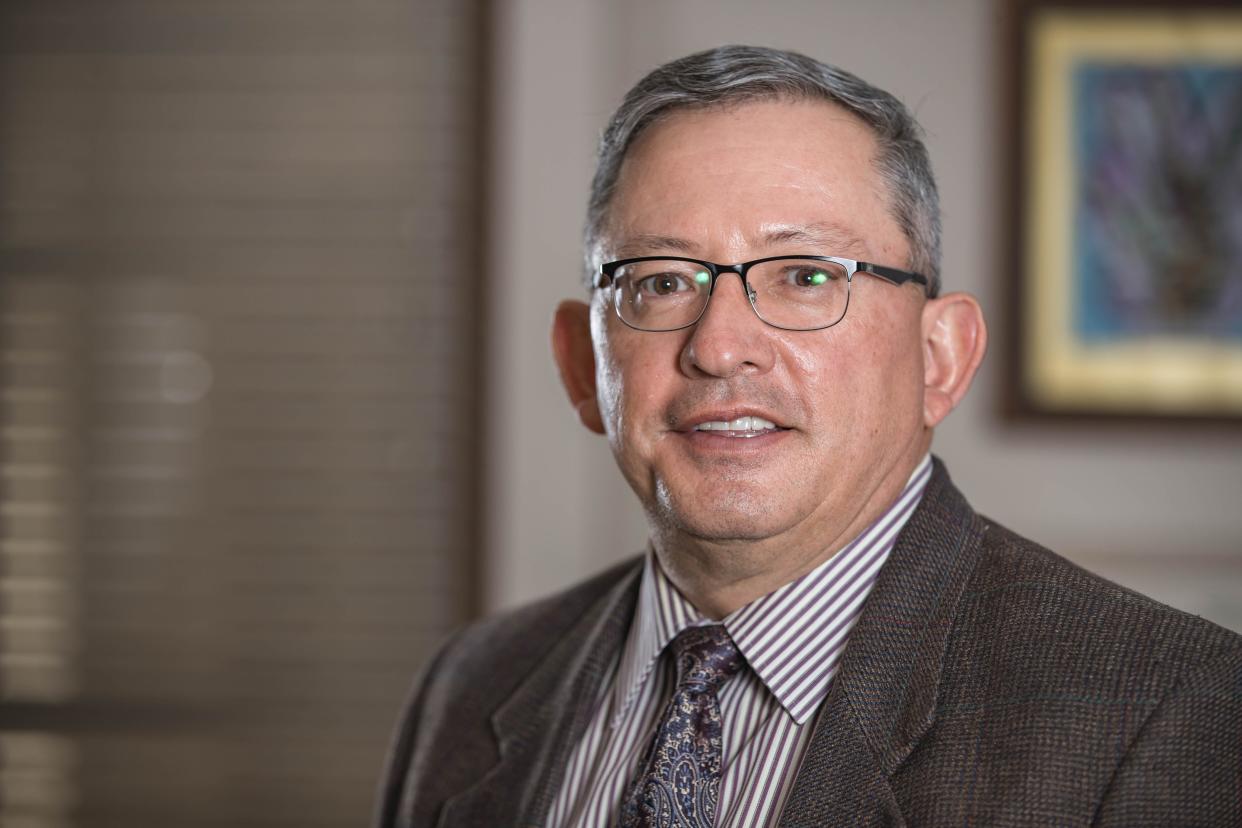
(792, 640)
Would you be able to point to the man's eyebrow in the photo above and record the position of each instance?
(647, 244)
(821, 237)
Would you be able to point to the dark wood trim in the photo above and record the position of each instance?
(479, 337)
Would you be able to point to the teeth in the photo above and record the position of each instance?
(740, 424)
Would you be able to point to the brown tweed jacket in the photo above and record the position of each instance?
(988, 682)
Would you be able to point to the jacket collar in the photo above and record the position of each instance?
(883, 699)
(539, 724)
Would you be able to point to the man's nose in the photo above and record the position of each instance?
(729, 338)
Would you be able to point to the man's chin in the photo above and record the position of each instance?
(739, 520)
(727, 533)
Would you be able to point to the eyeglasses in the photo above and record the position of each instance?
(793, 293)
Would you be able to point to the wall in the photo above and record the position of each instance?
(1136, 504)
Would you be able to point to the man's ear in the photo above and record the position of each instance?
(954, 341)
(575, 357)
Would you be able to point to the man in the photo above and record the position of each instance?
(822, 631)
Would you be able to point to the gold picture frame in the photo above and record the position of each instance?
(1128, 296)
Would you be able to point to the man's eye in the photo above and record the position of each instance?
(809, 277)
(663, 284)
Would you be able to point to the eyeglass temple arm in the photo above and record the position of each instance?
(892, 274)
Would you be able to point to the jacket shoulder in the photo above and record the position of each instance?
(1055, 615)
(1067, 699)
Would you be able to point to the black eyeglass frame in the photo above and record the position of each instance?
(892, 275)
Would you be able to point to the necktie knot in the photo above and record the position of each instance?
(706, 658)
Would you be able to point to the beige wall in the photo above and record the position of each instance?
(1135, 504)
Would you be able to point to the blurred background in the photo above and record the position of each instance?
(258, 454)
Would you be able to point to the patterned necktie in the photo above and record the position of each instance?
(680, 779)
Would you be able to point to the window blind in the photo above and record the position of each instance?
(238, 398)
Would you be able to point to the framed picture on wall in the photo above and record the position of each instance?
(1126, 293)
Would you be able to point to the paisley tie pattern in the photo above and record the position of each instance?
(679, 780)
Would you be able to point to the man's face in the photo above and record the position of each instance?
(730, 185)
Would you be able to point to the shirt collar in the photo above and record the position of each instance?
(661, 613)
(813, 614)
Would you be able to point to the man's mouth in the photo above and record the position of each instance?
(748, 426)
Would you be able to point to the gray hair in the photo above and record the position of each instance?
(737, 74)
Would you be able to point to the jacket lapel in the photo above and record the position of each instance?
(883, 698)
(537, 727)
